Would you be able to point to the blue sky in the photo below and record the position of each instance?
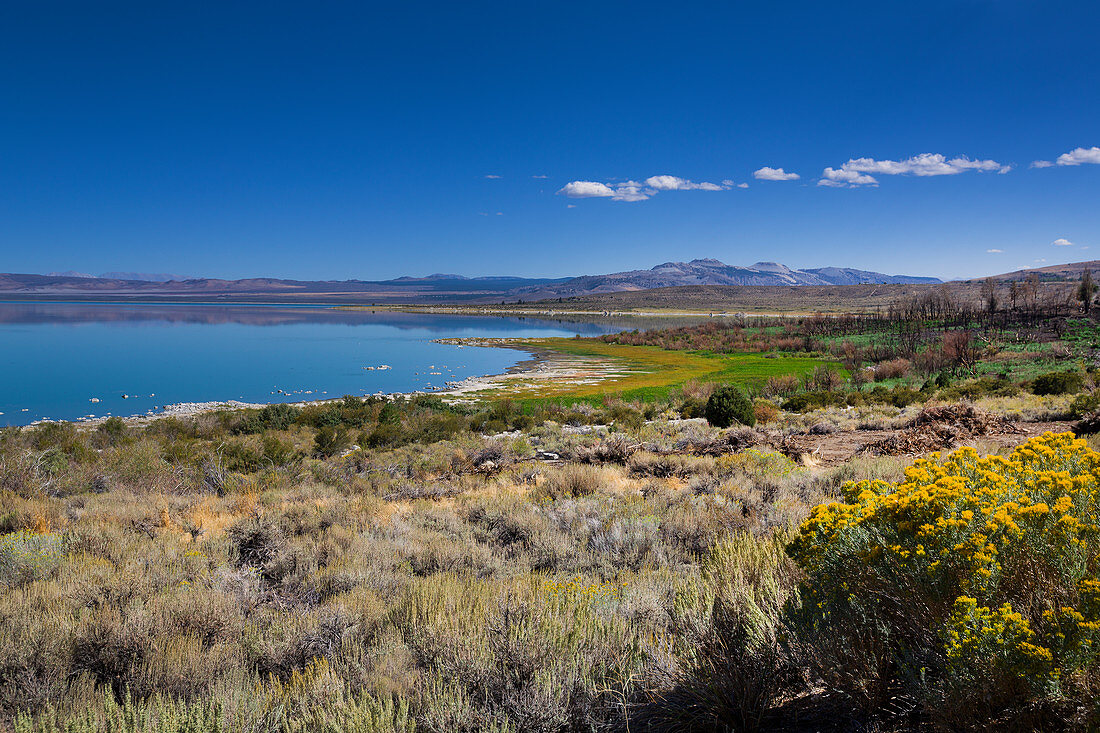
(370, 140)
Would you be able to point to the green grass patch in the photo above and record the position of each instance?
(649, 372)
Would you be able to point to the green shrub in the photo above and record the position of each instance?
(114, 428)
(1057, 383)
(316, 700)
(810, 401)
(728, 405)
(692, 407)
(53, 435)
(242, 457)
(1084, 404)
(442, 426)
(385, 435)
(278, 452)
(985, 386)
(331, 440)
(904, 396)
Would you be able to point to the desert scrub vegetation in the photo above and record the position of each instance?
(966, 595)
(221, 572)
(589, 567)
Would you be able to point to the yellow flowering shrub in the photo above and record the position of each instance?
(25, 556)
(972, 573)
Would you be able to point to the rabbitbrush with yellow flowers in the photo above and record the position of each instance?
(972, 584)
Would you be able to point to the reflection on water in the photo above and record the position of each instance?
(72, 360)
(278, 315)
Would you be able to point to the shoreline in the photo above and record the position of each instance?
(536, 365)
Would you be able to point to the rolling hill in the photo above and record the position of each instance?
(1054, 273)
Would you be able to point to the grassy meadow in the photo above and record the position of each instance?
(648, 373)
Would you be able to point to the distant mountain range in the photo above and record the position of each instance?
(445, 287)
(713, 272)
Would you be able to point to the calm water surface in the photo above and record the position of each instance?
(56, 357)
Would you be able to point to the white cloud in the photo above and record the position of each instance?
(862, 171)
(742, 185)
(675, 183)
(1077, 156)
(1041, 164)
(994, 251)
(586, 189)
(841, 178)
(570, 206)
(774, 174)
(635, 190)
(1040, 259)
(492, 175)
(1062, 242)
(632, 191)
(540, 176)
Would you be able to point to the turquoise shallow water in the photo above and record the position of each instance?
(56, 357)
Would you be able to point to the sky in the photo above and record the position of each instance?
(373, 140)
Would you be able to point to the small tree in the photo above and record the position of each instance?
(1086, 290)
(959, 349)
(989, 294)
(728, 405)
(856, 374)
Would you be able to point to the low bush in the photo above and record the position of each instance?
(27, 556)
(809, 401)
(1084, 404)
(893, 369)
(331, 440)
(692, 407)
(764, 411)
(983, 387)
(570, 482)
(1057, 383)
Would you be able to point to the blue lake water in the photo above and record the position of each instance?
(56, 357)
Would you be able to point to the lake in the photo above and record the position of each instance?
(56, 358)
